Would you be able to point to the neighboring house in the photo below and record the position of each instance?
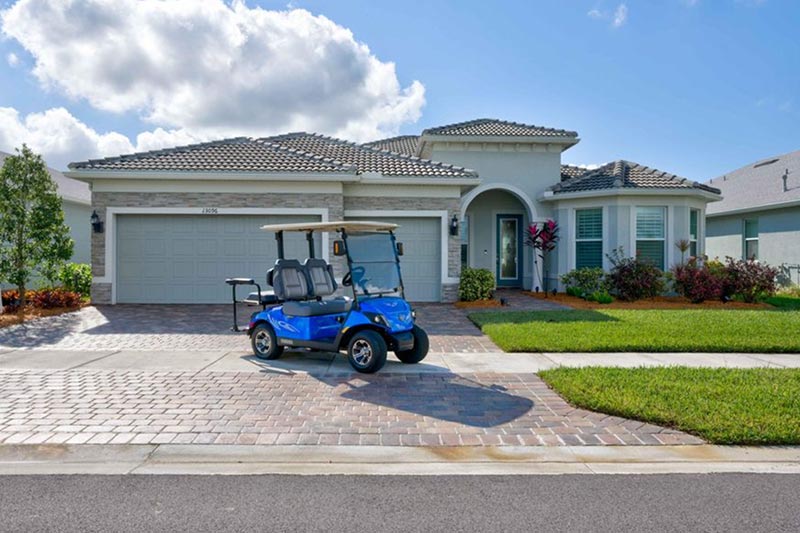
(178, 221)
(759, 215)
(76, 201)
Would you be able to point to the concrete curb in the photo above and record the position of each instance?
(377, 460)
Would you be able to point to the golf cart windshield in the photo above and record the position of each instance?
(373, 263)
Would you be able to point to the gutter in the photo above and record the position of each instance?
(765, 207)
(550, 196)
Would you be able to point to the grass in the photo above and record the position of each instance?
(626, 330)
(720, 405)
(784, 302)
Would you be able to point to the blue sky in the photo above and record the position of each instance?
(692, 87)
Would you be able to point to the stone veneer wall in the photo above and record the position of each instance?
(101, 292)
(451, 205)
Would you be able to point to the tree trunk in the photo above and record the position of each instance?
(21, 291)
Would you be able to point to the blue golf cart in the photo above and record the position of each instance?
(303, 310)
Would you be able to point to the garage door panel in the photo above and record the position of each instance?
(186, 258)
(421, 261)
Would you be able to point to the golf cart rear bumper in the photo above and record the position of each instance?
(403, 341)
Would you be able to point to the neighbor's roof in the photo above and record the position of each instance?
(346, 225)
(367, 159)
(68, 188)
(759, 185)
(402, 144)
(490, 127)
(626, 175)
(238, 154)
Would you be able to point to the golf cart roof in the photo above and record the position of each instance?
(346, 225)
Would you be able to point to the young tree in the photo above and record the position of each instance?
(33, 236)
(543, 240)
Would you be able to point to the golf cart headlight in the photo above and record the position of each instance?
(377, 319)
(413, 314)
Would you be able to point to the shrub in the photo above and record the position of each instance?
(632, 279)
(52, 298)
(750, 279)
(698, 282)
(601, 297)
(475, 284)
(582, 282)
(76, 277)
(9, 300)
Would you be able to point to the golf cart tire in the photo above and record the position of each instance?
(420, 349)
(370, 345)
(262, 333)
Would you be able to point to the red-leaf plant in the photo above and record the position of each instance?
(543, 240)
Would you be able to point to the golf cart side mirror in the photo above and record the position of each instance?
(338, 248)
(399, 248)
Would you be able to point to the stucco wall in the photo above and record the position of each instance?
(76, 217)
(778, 239)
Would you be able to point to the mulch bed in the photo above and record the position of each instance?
(478, 304)
(11, 319)
(659, 302)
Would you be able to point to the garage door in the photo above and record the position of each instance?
(186, 258)
(421, 260)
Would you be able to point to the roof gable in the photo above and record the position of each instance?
(402, 144)
(626, 175)
(489, 127)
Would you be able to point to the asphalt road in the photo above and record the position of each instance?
(721, 502)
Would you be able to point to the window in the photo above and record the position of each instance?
(694, 227)
(465, 242)
(650, 231)
(589, 238)
(751, 238)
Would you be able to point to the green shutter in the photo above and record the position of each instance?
(589, 223)
(589, 254)
(751, 229)
(693, 216)
(650, 222)
(651, 251)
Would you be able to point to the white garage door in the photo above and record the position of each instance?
(186, 258)
(421, 260)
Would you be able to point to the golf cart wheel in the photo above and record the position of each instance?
(367, 352)
(264, 342)
(420, 349)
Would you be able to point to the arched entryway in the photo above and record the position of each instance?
(494, 218)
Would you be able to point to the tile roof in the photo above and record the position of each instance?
(572, 171)
(759, 184)
(368, 159)
(402, 144)
(628, 175)
(238, 154)
(68, 188)
(494, 127)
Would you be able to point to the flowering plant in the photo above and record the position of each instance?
(543, 240)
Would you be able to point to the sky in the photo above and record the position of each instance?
(692, 87)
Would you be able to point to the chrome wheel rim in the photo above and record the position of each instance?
(362, 352)
(263, 342)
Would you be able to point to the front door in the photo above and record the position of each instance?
(509, 243)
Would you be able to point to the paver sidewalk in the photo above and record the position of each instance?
(119, 407)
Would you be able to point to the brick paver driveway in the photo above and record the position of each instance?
(98, 407)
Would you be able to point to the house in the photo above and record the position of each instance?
(759, 216)
(178, 221)
(76, 201)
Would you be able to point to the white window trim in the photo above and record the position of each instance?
(443, 215)
(663, 240)
(601, 239)
(746, 239)
(111, 223)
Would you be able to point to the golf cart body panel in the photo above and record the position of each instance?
(304, 310)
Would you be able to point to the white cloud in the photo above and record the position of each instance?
(62, 138)
(620, 16)
(12, 59)
(214, 69)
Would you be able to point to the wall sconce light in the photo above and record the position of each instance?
(454, 226)
(97, 224)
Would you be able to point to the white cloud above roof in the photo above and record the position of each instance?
(199, 69)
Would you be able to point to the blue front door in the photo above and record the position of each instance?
(509, 251)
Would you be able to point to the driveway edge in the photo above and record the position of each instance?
(386, 460)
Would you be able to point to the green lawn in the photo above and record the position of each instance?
(721, 405)
(784, 302)
(618, 330)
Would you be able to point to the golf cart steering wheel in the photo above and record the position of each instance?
(358, 272)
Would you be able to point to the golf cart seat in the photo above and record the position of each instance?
(321, 283)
